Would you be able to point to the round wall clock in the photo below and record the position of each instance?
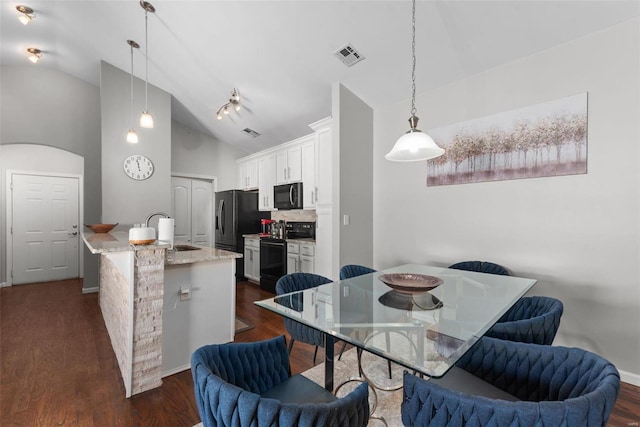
(138, 167)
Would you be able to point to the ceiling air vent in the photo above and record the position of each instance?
(252, 133)
(348, 55)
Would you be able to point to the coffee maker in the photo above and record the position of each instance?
(267, 225)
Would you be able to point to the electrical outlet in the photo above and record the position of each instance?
(185, 293)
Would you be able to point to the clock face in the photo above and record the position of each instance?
(138, 167)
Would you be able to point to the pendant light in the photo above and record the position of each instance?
(414, 145)
(146, 119)
(132, 136)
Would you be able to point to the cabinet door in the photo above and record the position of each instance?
(294, 164)
(309, 174)
(324, 167)
(307, 264)
(256, 263)
(292, 263)
(281, 167)
(248, 262)
(266, 180)
(248, 174)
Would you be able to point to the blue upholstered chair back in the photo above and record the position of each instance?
(531, 319)
(353, 270)
(557, 386)
(297, 282)
(481, 267)
(229, 378)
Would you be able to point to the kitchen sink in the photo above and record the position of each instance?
(182, 248)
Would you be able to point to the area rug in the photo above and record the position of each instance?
(388, 402)
(242, 325)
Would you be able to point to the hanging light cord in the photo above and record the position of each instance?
(413, 68)
(132, 122)
(146, 71)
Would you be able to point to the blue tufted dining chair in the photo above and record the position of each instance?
(548, 385)
(481, 267)
(353, 270)
(297, 282)
(531, 319)
(250, 384)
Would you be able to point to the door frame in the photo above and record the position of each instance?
(214, 188)
(9, 216)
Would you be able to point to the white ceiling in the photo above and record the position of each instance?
(279, 54)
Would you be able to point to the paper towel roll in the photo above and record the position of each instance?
(165, 230)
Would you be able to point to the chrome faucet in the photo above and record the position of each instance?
(146, 222)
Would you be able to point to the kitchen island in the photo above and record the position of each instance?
(159, 305)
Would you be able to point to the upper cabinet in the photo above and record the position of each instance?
(266, 180)
(289, 165)
(248, 174)
(307, 159)
(309, 189)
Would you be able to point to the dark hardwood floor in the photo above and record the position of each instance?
(58, 368)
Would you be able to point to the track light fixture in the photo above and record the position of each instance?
(146, 119)
(234, 102)
(132, 135)
(26, 14)
(34, 54)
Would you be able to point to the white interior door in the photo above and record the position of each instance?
(181, 208)
(45, 216)
(192, 210)
(201, 219)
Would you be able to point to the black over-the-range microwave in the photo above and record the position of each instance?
(287, 196)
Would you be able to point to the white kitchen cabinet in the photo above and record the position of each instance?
(300, 258)
(324, 164)
(266, 180)
(248, 174)
(252, 259)
(309, 173)
(289, 165)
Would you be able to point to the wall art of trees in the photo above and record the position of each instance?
(546, 139)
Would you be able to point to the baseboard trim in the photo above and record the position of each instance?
(630, 378)
(90, 290)
(176, 370)
(4, 285)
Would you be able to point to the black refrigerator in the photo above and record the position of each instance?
(237, 214)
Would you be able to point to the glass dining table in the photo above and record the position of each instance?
(432, 329)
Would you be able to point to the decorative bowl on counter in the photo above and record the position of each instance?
(101, 228)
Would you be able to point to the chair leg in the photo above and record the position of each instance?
(387, 339)
(344, 344)
(315, 353)
(291, 345)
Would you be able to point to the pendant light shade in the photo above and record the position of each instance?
(132, 136)
(146, 119)
(414, 145)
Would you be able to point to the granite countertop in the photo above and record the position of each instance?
(203, 254)
(116, 241)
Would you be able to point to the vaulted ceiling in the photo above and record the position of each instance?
(279, 54)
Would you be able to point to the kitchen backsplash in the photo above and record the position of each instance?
(294, 215)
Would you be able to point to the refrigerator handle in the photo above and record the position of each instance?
(218, 221)
(222, 216)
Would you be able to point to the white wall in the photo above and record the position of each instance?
(577, 235)
(196, 153)
(125, 200)
(47, 107)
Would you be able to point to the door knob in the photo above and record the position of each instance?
(75, 233)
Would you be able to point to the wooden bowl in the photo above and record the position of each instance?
(101, 228)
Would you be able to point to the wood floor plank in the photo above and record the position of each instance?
(57, 366)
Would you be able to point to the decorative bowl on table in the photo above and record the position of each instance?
(410, 283)
(101, 228)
